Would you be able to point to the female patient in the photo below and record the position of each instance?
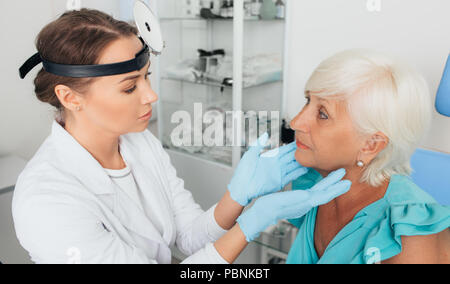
(367, 113)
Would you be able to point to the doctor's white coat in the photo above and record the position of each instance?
(66, 208)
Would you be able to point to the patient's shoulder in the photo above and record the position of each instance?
(403, 190)
(427, 249)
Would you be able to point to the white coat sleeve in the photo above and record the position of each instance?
(196, 229)
(58, 230)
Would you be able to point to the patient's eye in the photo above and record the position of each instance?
(308, 100)
(322, 115)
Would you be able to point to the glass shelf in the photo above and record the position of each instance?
(210, 83)
(278, 238)
(202, 154)
(198, 82)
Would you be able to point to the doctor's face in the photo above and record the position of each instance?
(325, 135)
(122, 103)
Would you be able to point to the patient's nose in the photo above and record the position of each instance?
(301, 122)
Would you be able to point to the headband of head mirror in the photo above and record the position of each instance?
(85, 71)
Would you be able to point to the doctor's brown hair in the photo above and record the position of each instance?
(76, 38)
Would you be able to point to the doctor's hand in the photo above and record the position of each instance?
(268, 210)
(258, 175)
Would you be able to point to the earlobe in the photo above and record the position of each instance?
(373, 145)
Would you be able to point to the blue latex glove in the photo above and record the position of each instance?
(269, 209)
(258, 175)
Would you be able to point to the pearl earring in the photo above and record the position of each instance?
(360, 164)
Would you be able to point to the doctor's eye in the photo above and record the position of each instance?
(130, 91)
(148, 75)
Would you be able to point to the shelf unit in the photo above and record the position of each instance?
(241, 38)
(174, 92)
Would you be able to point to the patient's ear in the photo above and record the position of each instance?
(374, 145)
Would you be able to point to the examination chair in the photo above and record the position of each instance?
(431, 169)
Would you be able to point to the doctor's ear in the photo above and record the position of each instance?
(69, 98)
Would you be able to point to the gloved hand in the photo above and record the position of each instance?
(258, 175)
(269, 209)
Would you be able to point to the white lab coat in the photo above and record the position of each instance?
(66, 208)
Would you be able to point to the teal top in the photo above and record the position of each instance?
(374, 233)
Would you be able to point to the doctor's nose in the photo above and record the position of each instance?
(149, 96)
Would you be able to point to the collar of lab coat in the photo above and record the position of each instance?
(88, 170)
(80, 162)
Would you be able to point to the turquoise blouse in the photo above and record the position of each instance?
(374, 233)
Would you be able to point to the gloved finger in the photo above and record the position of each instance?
(292, 204)
(271, 154)
(260, 144)
(294, 175)
(287, 158)
(281, 152)
(290, 167)
(323, 197)
(339, 188)
(287, 149)
(331, 179)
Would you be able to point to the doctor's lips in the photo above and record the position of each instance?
(146, 116)
(301, 145)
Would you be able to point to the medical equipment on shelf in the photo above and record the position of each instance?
(149, 33)
(253, 124)
(258, 69)
(276, 242)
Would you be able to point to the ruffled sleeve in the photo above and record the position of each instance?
(405, 220)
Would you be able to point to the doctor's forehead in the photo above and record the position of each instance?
(120, 50)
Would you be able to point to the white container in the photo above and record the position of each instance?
(281, 9)
(190, 8)
(256, 7)
(216, 7)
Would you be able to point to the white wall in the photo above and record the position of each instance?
(417, 31)
(24, 121)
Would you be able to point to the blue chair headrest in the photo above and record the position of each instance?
(443, 95)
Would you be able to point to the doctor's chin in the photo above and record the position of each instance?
(225, 132)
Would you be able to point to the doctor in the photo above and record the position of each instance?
(101, 188)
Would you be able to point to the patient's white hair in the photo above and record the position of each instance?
(381, 94)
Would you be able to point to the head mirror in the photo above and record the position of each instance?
(148, 25)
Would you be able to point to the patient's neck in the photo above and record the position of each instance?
(359, 196)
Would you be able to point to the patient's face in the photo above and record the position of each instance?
(326, 137)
